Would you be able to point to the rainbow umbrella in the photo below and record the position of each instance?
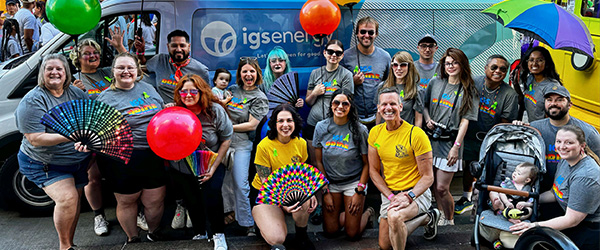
(546, 22)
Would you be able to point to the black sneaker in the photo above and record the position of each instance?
(431, 227)
(154, 237)
(134, 239)
(316, 217)
(305, 243)
(277, 247)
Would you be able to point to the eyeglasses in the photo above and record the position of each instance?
(427, 45)
(185, 92)
(402, 65)
(370, 32)
(248, 59)
(276, 59)
(538, 60)
(123, 69)
(452, 64)
(336, 103)
(332, 52)
(503, 69)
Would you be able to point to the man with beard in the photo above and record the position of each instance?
(426, 66)
(557, 104)
(498, 102)
(370, 66)
(404, 151)
(169, 68)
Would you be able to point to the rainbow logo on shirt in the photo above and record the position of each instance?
(486, 108)
(339, 141)
(170, 82)
(552, 157)
(237, 103)
(372, 76)
(142, 109)
(93, 92)
(529, 96)
(558, 193)
(330, 87)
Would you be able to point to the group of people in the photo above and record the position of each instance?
(406, 125)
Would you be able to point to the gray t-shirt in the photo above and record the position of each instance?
(165, 74)
(215, 130)
(334, 80)
(574, 184)
(27, 20)
(494, 105)
(375, 67)
(548, 131)
(409, 106)
(95, 82)
(28, 116)
(138, 105)
(441, 111)
(534, 97)
(342, 158)
(426, 72)
(243, 104)
(13, 47)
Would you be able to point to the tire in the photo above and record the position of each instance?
(544, 238)
(17, 192)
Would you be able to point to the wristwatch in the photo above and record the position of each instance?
(360, 192)
(412, 196)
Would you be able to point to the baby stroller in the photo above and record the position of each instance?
(505, 146)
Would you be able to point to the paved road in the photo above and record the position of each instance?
(17, 232)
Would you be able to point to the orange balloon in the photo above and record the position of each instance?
(320, 17)
(347, 2)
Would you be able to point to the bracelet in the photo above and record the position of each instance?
(362, 185)
(140, 53)
(457, 144)
(390, 196)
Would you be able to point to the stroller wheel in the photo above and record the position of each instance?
(544, 238)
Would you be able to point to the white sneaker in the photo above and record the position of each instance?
(220, 243)
(141, 222)
(188, 221)
(179, 219)
(100, 225)
(200, 237)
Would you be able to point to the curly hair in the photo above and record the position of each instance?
(272, 133)
(75, 54)
(204, 92)
(353, 120)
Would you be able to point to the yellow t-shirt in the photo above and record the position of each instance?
(274, 154)
(398, 157)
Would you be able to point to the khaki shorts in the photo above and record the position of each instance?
(423, 202)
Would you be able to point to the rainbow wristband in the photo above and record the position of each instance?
(390, 196)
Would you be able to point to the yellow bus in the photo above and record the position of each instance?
(580, 73)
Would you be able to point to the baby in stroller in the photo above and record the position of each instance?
(515, 206)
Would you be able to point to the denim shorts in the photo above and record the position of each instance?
(34, 171)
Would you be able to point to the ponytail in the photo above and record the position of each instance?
(590, 153)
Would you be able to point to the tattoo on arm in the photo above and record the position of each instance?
(263, 172)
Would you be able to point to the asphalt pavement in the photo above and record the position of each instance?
(21, 232)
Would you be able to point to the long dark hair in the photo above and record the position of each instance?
(42, 6)
(549, 67)
(465, 77)
(272, 133)
(353, 120)
(10, 25)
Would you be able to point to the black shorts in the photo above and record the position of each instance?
(308, 132)
(145, 170)
(585, 235)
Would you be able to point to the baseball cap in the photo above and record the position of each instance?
(28, 1)
(427, 38)
(559, 90)
(12, 1)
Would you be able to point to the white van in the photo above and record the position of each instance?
(221, 31)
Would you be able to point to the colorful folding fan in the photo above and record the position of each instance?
(200, 161)
(95, 124)
(295, 182)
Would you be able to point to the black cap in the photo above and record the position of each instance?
(559, 90)
(12, 1)
(427, 38)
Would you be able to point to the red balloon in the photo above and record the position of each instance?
(320, 17)
(174, 133)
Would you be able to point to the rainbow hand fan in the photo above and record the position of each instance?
(95, 124)
(200, 161)
(295, 182)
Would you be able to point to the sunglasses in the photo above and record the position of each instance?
(337, 103)
(248, 59)
(402, 64)
(370, 32)
(332, 52)
(503, 69)
(185, 92)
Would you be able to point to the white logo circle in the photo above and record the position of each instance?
(223, 36)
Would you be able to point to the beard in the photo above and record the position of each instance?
(556, 115)
(176, 59)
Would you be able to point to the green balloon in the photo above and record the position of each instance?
(74, 17)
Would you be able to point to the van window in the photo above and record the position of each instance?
(221, 36)
(590, 8)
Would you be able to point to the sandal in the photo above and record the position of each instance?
(229, 218)
(371, 213)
